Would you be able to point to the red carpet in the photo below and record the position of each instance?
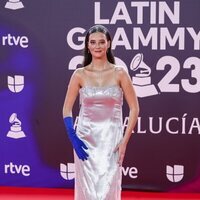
(11, 193)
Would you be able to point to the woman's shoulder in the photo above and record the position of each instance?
(120, 69)
(77, 74)
(78, 71)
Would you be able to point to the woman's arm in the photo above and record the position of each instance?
(132, 101)
(72, 93)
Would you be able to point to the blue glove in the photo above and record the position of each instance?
(77, 143)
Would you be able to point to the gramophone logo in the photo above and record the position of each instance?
(16, 83)
(142, 79)
(15, 129)
(14, 4)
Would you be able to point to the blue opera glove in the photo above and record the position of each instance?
(77, 143)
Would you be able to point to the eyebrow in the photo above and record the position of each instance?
(97, 40)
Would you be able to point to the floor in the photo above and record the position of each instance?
(10, 193)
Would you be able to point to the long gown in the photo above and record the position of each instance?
(100, 128)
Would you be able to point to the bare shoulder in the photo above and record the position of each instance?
(76, 77)
(121, 70)
(77, 74)
(78, 71)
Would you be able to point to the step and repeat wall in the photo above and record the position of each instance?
(41, 44)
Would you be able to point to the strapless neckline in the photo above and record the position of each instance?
(100, 87)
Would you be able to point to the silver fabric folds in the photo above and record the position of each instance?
(100, 127)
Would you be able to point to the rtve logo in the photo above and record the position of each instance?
(175, 173)
(132, 172)
(67, 171)
(10, 40)
(17, 169)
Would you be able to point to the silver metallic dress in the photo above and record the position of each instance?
(100, 127)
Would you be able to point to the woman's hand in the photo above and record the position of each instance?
(121, 148)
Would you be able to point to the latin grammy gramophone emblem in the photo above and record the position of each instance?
(142, 80)
(15, 129)
(14, 4)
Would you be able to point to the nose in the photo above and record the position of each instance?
(97, 45)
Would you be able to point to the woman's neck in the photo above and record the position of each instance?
(99, 64)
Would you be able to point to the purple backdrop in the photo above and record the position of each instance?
(157, 41)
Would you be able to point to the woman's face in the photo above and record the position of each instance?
(98, 44)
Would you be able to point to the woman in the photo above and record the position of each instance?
(99, 142)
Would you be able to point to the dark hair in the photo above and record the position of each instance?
(87, 55)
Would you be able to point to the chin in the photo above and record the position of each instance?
(98, 55)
